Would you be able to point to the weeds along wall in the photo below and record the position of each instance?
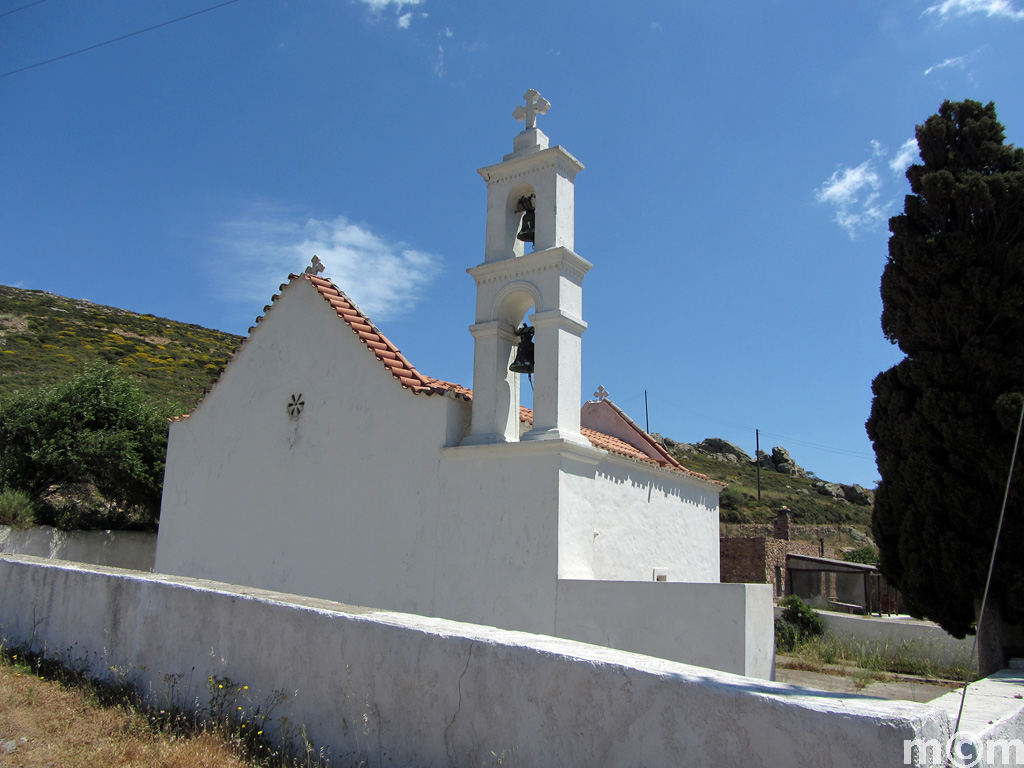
(390, 688)
(922, 637)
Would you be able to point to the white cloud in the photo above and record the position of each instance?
(846, 184)
(905, 156)
(999, 8)
(403, 20)
(855, 194)
(439, 67)
(384, 278)
(957, 62)
(380, 5)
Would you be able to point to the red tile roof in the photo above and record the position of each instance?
(400, 368)
(622, 448)
(379, 344)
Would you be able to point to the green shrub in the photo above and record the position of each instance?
(806, 619)
(16, 509)
(867, 555)
(89, 452)
(787, 636)
(798, 624)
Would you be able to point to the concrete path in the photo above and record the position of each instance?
(845, 680)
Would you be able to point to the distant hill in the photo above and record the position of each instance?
(45, 338)
(783, 482)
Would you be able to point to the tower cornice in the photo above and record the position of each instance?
(513, 167)
(558, 258)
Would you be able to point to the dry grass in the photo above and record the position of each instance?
(59, 727)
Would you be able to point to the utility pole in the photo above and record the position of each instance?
(647, 416)
(757, 461)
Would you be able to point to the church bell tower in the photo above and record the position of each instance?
(530, 196)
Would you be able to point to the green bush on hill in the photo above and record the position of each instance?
(739, 502)
(88, 453)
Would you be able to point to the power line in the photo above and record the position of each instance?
(841, 451)
(116, 39)
(22, 8)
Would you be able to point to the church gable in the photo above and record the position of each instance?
(394, 361)
(608, 427)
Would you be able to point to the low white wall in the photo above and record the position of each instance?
(120, 549)
(391, 688)
(722, 626)
(929, 639)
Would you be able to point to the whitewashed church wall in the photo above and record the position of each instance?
(339, 502)
(621, 520)
(497, 532)
(729, 627)
(406, 690)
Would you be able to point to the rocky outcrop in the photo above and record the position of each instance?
(857, 494)
(854, 494)
(780, 461)
(784, 463)
(723, 450)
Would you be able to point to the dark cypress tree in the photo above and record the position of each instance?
(944, 419)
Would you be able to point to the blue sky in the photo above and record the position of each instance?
(742, 159)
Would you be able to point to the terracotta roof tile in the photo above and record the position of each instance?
(622, 448)
(378, 343)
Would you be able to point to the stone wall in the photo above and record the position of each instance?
(743, 561)
(760, 560)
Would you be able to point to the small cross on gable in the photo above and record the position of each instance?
(535, 105)
(315, 266)
(601, 394)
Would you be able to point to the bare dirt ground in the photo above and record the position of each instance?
(848, 680)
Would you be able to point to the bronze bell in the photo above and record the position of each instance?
(524, 355)
(526, 231)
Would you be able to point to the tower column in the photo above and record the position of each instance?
(556, 399)
(495, 416)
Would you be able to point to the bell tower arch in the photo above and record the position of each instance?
(510, 280)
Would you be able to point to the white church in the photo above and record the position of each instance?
(324, 463)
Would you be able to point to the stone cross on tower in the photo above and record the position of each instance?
(535, 105)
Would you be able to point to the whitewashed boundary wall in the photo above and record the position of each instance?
(397, 689)
(118, 549)
(927, 637)
(668, 620)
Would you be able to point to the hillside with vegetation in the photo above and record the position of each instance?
(811, 500)
(45, 339)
